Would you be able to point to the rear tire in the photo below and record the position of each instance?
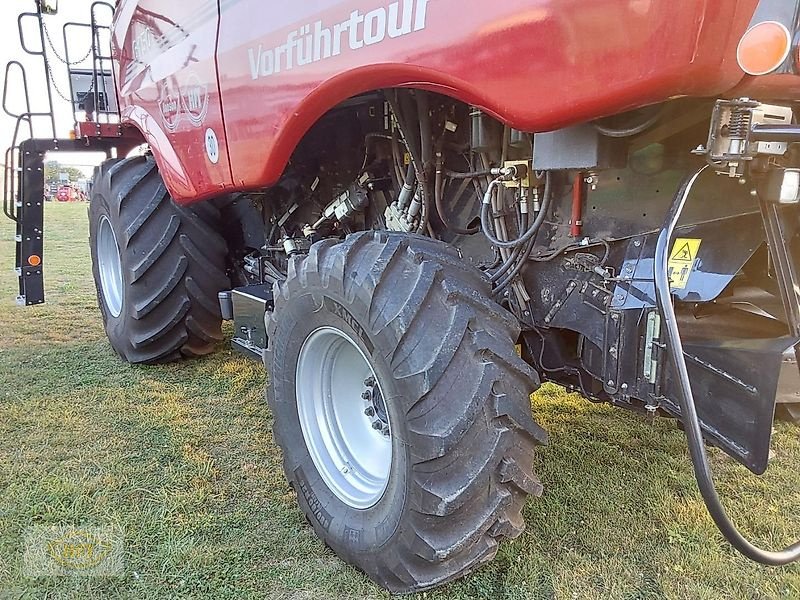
(158, 293)
(456, 398)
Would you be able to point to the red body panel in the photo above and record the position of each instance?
(535, 64)
(167, 78)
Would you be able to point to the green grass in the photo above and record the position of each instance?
(181, 459)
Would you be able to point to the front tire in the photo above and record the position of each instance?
(453, 418)
(157, 266)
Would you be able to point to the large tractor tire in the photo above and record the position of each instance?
(402, 407)
(158, 267)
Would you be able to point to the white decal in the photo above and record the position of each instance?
(316, 42)
(170, 106)
(143, 43)
(195, 100)
(212, 146)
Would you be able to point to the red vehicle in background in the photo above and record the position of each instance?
(67, 193)
(416, 211)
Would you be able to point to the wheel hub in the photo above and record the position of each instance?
(109, 267)
(343, 417)
(375, 406)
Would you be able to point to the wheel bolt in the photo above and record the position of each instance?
(386, 431)
(377, 426)
(370, 412)
(366, 395)
(369, 381)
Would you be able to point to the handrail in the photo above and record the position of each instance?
(98, 56)
(43, 55)
(9, 178)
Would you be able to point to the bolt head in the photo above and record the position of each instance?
(377, 426)
(366, 395)
(370, 412)
(369, 381)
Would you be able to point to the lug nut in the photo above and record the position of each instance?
(369, 381)
(370, 412)
(377, 426)
(366, 395)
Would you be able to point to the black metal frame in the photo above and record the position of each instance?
(24, 198)
(102, 64)
(774, 222)
(29, 215)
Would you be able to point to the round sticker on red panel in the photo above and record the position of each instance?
(212, 146)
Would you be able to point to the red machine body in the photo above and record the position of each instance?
(223, 90)
(66, 193)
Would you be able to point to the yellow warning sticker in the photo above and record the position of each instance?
(682, 260)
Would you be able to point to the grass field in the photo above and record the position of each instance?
(181, 460)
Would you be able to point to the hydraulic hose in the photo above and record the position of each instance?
(528, 235)
(412, 141)
(438, 195)
(523, 260)
(691, 421)
(629, 131)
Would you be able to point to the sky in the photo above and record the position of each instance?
(68, 10)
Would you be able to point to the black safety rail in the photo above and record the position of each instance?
(35, 135)
(104, 96)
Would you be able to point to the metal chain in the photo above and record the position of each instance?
(58, 91)
(55, 85)
(58, 56)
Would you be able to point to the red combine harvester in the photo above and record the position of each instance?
(67, 193)
(390, 198)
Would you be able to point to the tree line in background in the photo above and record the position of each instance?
(53, 170)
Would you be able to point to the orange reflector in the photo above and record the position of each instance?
(764, 48)
(34, 260)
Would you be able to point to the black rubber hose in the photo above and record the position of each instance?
(413, 148)
(426, 144)
(507, 265)
(691, 421)
(528, 235)
(629, 131)
(537, 225)
(425, 129)
(438, 195)
(473, 175)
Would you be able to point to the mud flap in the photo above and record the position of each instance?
(735, 383)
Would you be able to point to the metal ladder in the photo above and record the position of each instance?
(23, 177)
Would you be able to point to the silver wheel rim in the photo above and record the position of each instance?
(109, 266)
(343, 417)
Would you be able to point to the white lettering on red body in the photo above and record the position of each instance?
(317, 42)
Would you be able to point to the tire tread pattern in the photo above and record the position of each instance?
(471, 432)
(174, 261)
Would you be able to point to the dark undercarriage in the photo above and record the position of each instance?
(573, 218)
